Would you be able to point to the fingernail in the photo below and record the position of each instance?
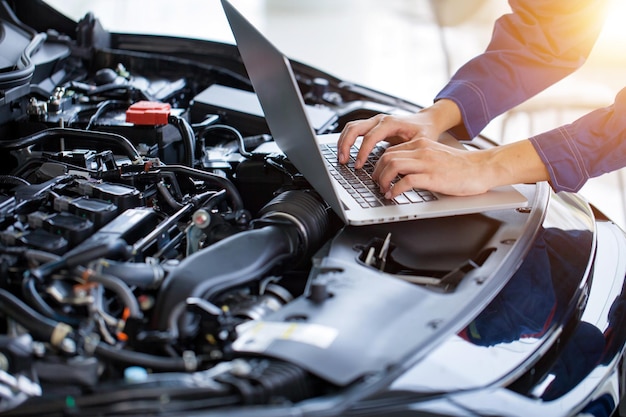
(388, 195)
(358, 163)
(340, 157)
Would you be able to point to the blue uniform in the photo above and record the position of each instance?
(538, 44)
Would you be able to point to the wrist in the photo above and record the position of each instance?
(514, 163)
(445, 114)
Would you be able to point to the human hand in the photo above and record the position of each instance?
(425, 164)
(429, 123)
(390, 128)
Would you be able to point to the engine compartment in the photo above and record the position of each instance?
(144, 240)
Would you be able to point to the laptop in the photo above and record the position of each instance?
(275, 85)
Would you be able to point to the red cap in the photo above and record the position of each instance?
(150, 113)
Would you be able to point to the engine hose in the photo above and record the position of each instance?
(306, 210)
(29, 284)
(233, 261)
(12, 180)
(114, 284)
(157, 363)
(167, 196)
(240, 139)
(41, 328)
(145, 274)
(135, 274)
(31, 296)
(294, 225)
(58, 133)
(189, 139)
(233, 194)
(102, 108)
(33, 255)
(82, 255)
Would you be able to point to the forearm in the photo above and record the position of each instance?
(514, 163)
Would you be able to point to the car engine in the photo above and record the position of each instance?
(141, 222)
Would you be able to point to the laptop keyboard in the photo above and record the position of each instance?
(359, 182)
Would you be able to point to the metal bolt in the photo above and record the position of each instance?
(68, 345)
(39, 349)
(190, 360)
(4, 362)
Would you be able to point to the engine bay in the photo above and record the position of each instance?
(148, 249)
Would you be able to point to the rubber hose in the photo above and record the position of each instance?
(64, 133)
(157, 363)
(189, 140)
(294, 223)
(221, 182)
(42, 328)
(117, 286)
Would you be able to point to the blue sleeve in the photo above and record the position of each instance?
(589, 147)
(533, 47)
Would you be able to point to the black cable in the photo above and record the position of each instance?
(29, 284)
(129, 357)
(214, 200)
(233, 194)
(31, 295)
(82, 255)
(102, 108)
(64, 133)
(100, 90)
(30, 254)
(41, 327)
(167, 196)
(238, 135)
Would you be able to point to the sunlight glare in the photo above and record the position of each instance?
(612, 40)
